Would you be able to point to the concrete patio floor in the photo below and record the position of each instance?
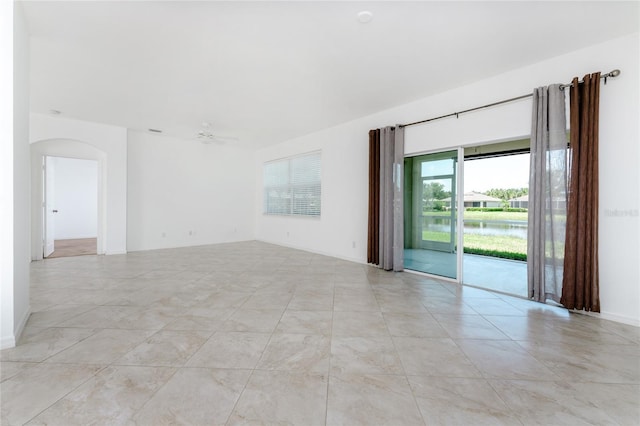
(505, 276)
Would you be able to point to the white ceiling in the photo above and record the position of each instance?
(269, 71)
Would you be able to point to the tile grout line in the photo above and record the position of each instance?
(405, 376)
(326, 400)
(253, 370)
(70, 391)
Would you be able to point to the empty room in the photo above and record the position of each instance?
(320, 212)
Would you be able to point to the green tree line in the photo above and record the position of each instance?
(507, 194)
(436, 191)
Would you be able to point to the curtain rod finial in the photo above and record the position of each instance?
(614, 73)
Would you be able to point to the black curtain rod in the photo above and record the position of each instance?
(611, 74)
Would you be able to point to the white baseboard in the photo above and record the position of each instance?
(613, 317)
(349, 259)
(7, 342)
(109, 253)
(22, 323)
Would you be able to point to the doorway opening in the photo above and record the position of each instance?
(466, 215)
(70, 207)
(496, 188)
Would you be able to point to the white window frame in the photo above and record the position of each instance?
(290, 185)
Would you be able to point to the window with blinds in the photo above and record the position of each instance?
(292, 186)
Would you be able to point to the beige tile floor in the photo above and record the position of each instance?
(251, 333)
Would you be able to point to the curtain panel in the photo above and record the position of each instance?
(580, 288)
(385, 243)
(373, 239)
(547, 195)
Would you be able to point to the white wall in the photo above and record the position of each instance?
(343, 220)
(185, 193)
(76, 198)
(14, 173)
(6, 175)
(21, 175)
(345, 161)
(62, 137)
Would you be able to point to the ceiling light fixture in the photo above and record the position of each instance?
(54, 112)
(365, 17)
(155, 130)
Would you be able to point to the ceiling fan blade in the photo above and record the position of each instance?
(207, 137)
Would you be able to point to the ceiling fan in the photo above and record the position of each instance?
(206, 136)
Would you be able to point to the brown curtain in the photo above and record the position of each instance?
(373, 241)
(580, 287)
(385, 244)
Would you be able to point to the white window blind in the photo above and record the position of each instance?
(292, 186)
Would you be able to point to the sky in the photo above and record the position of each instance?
(510, 171)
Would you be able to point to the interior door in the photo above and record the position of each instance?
(49, 205)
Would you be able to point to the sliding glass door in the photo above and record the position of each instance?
(430, 213)
(465, 213)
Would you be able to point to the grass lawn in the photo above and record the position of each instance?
(504, 246)
(499, 243)
(484, 242)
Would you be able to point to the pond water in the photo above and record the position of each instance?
(512, 228)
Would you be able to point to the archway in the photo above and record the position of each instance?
(68, 148)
